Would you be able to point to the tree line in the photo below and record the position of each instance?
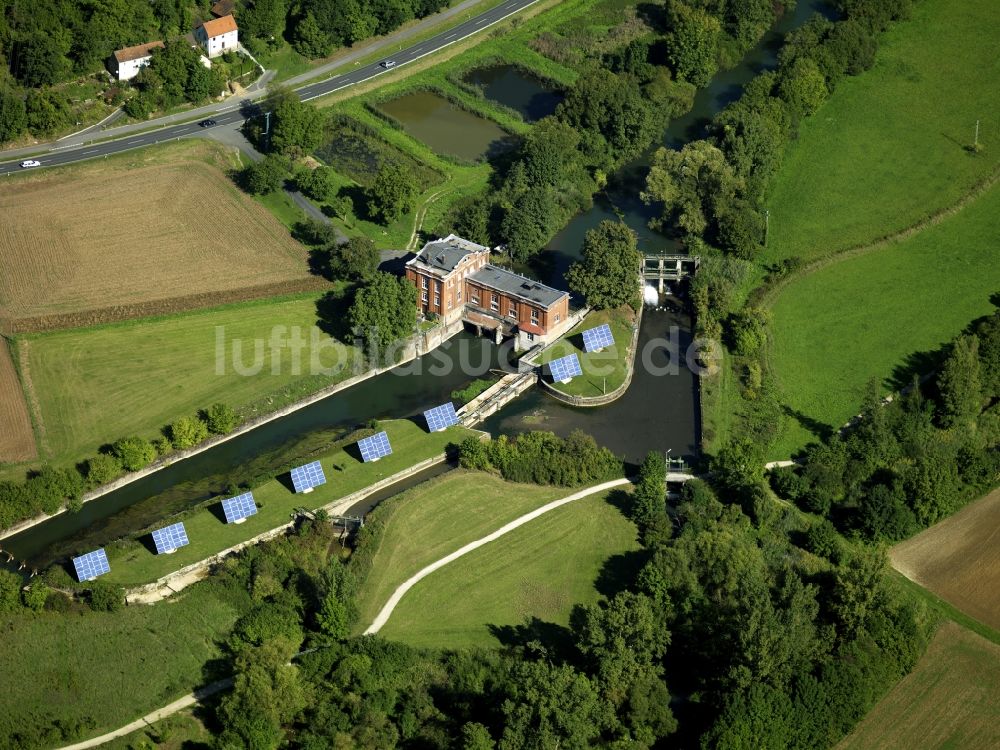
(49, 489)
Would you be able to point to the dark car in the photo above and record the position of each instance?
(207, 123)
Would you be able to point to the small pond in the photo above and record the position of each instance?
(515, 88)
(446, 127)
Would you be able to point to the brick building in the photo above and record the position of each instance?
(455, 280)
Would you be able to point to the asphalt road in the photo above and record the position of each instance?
(239, 112)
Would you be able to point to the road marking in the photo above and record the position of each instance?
(451, 36)
(481, 20)
(92, 151)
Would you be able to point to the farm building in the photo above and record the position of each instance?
(455, 280)
(126, 63)
(218, 35)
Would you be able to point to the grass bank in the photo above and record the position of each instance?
(428, 522)
(604, 370)
(345, 473)
(571, 555)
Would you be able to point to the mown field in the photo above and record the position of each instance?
(540, 570)
(605, 370)
(863, 317)
(17, 438)
(96, 385)
(108, 668)
(156, 230)
(959, 559)
(345, 473)
(889, 147)
(436, 518)
(949, 700)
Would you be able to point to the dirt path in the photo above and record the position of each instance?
(397, 595)
(161, 713)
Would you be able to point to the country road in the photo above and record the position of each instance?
(235, 114)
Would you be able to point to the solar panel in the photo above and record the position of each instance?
(91, 565)
(239, 508)
(170, 538)
(304, 478)
(565, 368)
(598, 338)
(374, 447)
(441, 417)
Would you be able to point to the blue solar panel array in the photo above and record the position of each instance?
(91, 565)
(565, 368)
(239, 507)
(306, 477)
(441, 417)
(375, 447)
(598, 338)
(170, 538)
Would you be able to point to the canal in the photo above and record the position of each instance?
(659, 411)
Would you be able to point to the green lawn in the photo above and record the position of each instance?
(888, 149)
(436, 518)
(540, 570)
(605, 370)
(345, 473)
(107, 668)
(96, 385)
(844, 324)
(177, 732)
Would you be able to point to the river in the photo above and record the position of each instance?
(659, 411)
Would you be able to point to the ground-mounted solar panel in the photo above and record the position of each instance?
(91, 565)
(598, 338)
(304, 478)
(565, 368)
(170, 538)
(441, 417)
(375, 447)
(240, 508)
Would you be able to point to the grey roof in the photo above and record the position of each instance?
(445, 254)
(516, 285)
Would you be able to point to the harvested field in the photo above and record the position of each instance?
(959, 559)
(949, 700)
(17, 440)
(136, 231)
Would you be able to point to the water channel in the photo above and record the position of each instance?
(659, 411)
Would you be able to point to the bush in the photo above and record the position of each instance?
(106, 597)
(187, 432)
(822, 539)
(542, 458)
(36, 596)
(102, 469)
(220, 418)
(10, 591)
(134, 453)
(265, 176)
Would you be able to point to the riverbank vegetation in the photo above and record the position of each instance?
(538, 573)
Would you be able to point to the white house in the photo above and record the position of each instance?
(128, 61)
(218, 35)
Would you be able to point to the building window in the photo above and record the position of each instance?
(423, 297)
(494, 303)
(437, 300)
(474, 296)
(534, 316)
(437, 287)
(459, 295)
(558, 317)
(451, 303)
(512, 312)
(423, 280)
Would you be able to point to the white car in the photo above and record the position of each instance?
(388, 64)
(30, 163)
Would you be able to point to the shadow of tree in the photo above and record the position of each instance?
(536, 637)
(331, 313)
(820, 429)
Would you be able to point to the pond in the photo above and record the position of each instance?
(446, 127)
(515, 88)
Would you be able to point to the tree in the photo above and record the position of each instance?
(357, 258)
(10, 591)
(748, 331)
(738, 465)
(528, 223)
(296, 127)
(13, 118)
(803, 87)
(391, 193)
(317, 183)
(46, 110)
(309, 39)
(106, 597)
(384, 311)
(692, 42)
(858, 587)
(102, 469)
(988, 333)
(608, 274)
(220, 418)
(263, 19)
(187, 432)
(134, 452)
(41, 59)
(476, 737)
(265, 176)
(35, 596)
(959, 383)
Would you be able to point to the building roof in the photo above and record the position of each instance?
(137, 52)
(223, 8)
(515, 285)
(445, 254)
(219, 26)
